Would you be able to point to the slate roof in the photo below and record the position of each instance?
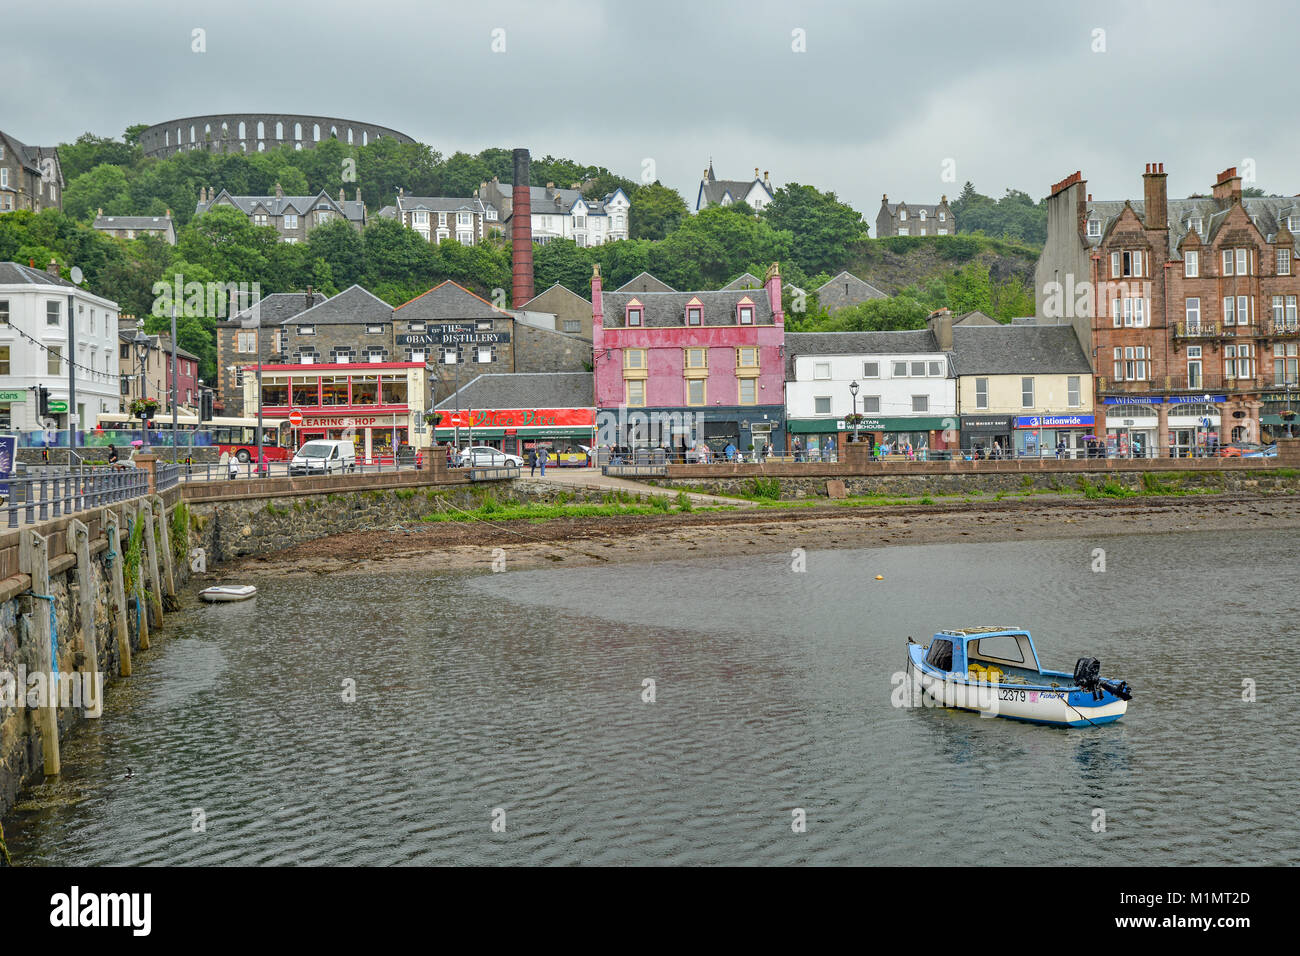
(645, 282)
(352, 306)
(442, 204)
(845, 290)
(931, 210)
(715, 190)
(1018, 349)
(525, 390)
(746, 280)
(13, 273)
(448, 301)
(910, 342)
(133, 222)
(160, 342)
(1266, 212)
(352, 209)
(31, 156)
(974, 317)
(668, 309)
(277, 308)
(547, 200)
(557, 290)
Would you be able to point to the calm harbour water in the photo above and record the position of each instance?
(522, 691)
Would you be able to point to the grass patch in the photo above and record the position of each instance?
(684, 501)
(536, 512)
(764, 488)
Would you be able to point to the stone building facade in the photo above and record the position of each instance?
(258, 132)
(914, 219)
(1189, 306)
(251, 333)
(293, 217)
(30, 176)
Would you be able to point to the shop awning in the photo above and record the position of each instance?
(582, 433)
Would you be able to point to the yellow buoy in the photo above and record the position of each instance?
(880, 577)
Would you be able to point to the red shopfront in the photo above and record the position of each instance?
(376, 406)
(518, 431)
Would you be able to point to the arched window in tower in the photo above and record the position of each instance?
(243, 134)
(279, 131)
(315, 132)
(261, 129)
(349, 135)
(297, 132)
(365, 138)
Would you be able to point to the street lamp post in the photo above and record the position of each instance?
(853, 391)
(141, 342)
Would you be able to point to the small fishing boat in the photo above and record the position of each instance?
(228, 592)
(995, 672)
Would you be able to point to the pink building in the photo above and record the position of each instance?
(679, 368)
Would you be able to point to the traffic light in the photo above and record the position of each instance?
(44, 403)
(205, 405)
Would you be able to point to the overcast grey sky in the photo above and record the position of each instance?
(1013, 93)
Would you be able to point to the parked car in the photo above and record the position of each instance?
(481, 456)
(1268, 451)
(1241, 449)
(324, 457)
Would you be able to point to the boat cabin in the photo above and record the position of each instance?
(1007, 651)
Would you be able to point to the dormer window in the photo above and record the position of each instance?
(1292, 223)
(306, 330)
(922, 215)
(1094, 228)
(746, 314)
(1195, 225)
(902, 215)
(943, 216)
(694, 312)
(633, 317)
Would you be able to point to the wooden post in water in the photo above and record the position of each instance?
(151, 546)
(118, 592)
(79, 544)
(34, 559)
(169, 572)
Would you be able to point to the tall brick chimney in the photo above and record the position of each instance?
(1228, 187)
(521, 233)
(1155, 196)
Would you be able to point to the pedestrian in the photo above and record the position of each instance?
(829, 449)
(543, 454)
(112, 455)
(997, 449)
(1060, 449)
(532, 463)
(730, 451)
(232, 468)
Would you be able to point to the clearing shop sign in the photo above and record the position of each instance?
(454, 334)
(1054, 421)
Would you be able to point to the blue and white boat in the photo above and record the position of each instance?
(995, 671)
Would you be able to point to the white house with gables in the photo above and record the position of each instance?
(723, 192)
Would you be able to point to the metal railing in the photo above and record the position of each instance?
(492, 472)
(235, 469)
(46, 494)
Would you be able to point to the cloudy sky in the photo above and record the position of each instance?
(907, 98)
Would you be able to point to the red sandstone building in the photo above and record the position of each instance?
(1189, 306)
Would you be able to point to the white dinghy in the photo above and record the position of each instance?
(228, 592)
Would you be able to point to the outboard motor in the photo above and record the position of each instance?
(1087, 675)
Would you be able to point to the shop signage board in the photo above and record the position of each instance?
(453, 334)
(13, 395)
(58, 406)
(1164, 399)
(1054, 421)
(523, 418)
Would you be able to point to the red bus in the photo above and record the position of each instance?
(234, 436)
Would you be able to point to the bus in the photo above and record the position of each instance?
(235, 437)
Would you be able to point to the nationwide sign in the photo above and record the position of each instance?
(453, 334)
(1054, 421)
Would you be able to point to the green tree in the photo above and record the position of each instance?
(227, 244)
(896, 314)
(104, 187)
(655, 212)
(337, 244)
(824, 229)
(968, 289)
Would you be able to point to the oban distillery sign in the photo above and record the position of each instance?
(453, 335)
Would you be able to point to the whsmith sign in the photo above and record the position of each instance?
(460, 334)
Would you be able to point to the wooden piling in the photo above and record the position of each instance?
(79, 544)
(151, 551)
(117, 592)
(34, 560)
(169, 571)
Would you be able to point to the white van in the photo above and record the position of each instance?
(323, 457)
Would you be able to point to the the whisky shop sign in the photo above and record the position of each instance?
(454, 334)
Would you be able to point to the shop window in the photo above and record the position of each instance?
(394, 391)
(334, 391)
(306, 392)
(275, 393)
(365, 391)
